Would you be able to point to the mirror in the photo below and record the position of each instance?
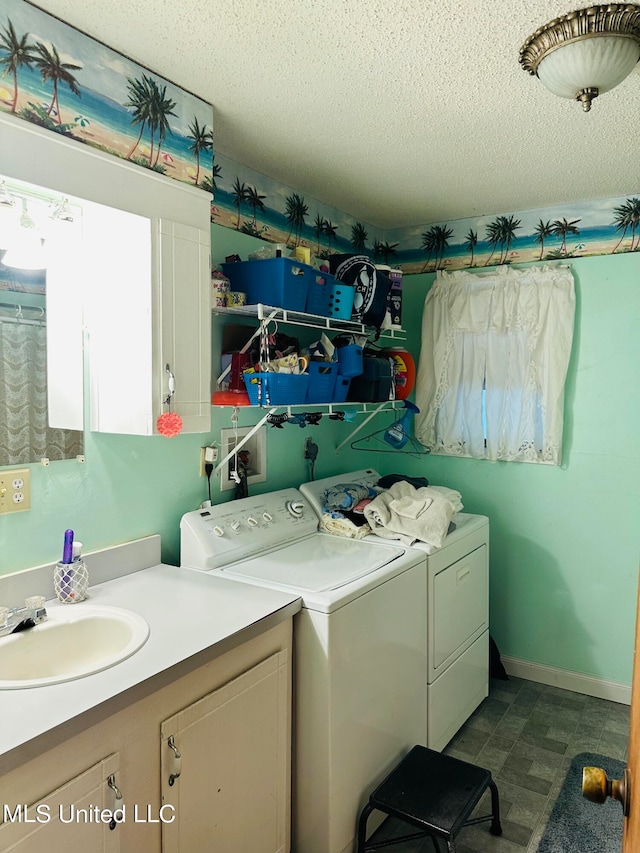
(37, 230)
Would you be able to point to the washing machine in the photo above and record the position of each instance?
(360, 649)
(455, 610)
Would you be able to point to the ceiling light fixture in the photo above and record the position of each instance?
(585, 53)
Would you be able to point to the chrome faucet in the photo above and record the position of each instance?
(15, 619)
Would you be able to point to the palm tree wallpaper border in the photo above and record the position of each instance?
(65, 81)
(68, 83)
(256, 204)
(572, 230)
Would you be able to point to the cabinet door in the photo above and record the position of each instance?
(67, 818)
(233, 789)
(158, 314)
(115, 279)
(184, 323)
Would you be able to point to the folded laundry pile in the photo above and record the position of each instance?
(345, 496)
(411, 514)
(339, 524)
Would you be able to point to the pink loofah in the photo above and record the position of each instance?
(169, 424)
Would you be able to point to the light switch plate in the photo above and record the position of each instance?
(15, 490)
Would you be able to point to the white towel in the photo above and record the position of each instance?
(451, 495)
(409, 514)
(409, 507)
(338, 525)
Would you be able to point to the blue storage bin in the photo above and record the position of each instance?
(276, 389)
(280, 282)
(350, 360)
(341, 388)
(329, 297)
(322, 380)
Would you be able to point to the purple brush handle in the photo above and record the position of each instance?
(67, 551)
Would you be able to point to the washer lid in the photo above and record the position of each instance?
(319, 563)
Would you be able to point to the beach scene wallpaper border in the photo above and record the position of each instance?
(63, 80)
(69, 83)
(258, 205)
(564, 231)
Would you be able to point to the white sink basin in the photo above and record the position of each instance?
(76, 640)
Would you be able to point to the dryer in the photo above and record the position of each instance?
(360, 649)
(455, 608)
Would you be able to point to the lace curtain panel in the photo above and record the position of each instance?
(24, 434)
(493, 363)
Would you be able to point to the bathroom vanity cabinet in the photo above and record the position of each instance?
(223, 783)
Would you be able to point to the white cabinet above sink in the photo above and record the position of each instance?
(139, 282)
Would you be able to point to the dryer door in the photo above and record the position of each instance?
(458, 611)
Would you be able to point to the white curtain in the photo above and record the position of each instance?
(493, 363)
(24, 432)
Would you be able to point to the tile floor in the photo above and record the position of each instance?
(527, 734)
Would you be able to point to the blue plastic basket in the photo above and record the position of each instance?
(350, 360)
(329, 297)
(276, 389)
(322, 379)
(341, 388)
(281, 282)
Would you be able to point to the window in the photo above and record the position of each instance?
(494, 358)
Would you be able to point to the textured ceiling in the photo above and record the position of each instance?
(400, 112)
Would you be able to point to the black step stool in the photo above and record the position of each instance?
(433, 792)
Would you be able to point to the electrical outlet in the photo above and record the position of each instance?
(15, 490)
(208, 456)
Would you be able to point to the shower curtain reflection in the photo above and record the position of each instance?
(24, 433)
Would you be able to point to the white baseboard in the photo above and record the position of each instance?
(568, 680)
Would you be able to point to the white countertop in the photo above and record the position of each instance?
(188, 613)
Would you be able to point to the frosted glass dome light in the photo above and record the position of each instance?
(585, 53)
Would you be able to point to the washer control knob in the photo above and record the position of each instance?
(267, 516)
(218, 530)
(251, 521)
(235, 525)
(296, 508)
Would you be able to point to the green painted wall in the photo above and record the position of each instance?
(133, 486)
(564, 542)
(564, 555)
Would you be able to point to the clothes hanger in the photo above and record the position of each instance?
(396, 438)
